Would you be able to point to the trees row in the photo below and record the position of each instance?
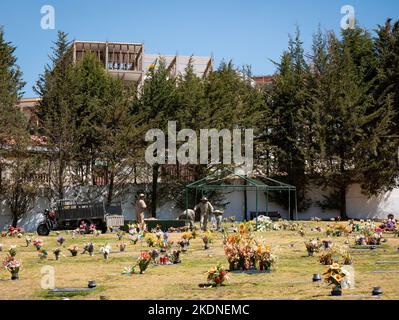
(329, 118)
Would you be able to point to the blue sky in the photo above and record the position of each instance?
(247, 31)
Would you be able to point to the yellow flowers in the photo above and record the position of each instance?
(242, 228)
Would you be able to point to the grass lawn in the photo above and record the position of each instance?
(291, 280)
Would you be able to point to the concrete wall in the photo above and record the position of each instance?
(359, 206)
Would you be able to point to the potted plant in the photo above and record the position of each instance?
(143, 261)
(73, 250)
(217, 276)
(334, 276)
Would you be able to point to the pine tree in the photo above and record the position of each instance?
(55, 113)
(157, 105)
(288, 103)
(18, 187)
(352, 125)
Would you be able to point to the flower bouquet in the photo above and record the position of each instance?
(132, 228)
(38, 243)
(89, 248)
(12, 252)
(183, 245)
(207, 238)
(129, 270)
(82, 228)
(334, 276)
(92, 228)
(174, 257)
(57, 253)
(105, 250)
(187, 236)
(120, 235)
(121, 246)
(143, 261)
(150, 239)
(13, 266)
(154, 254)
(217, 276)
(28, 240)
(42, 253)
(60, 240)
(327, 244)
(73, 250)
(313, 246)
(134, 238)
(265, 258)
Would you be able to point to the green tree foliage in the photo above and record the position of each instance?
(18, 184)
(55, 114)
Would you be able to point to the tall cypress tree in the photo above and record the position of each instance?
(54, 112)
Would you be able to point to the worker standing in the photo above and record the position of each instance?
(140, 209)
(205, 208)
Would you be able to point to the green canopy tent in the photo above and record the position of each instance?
(221, 180)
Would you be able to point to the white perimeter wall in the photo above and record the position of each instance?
(359, 206)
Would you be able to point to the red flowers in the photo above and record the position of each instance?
(217, 280)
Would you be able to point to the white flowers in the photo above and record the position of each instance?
(105, 250)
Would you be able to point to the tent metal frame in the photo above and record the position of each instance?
(211, 182)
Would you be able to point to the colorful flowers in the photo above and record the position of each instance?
(105, 250)
(335, 274)
(60, 240)
(92, 228)
(265, 258)
(121, 246)
(73, 250)
(313, 246)
(57, 253)
(89, 248)
(143, 261)
(38, 243)
(11, 264)
(217, 276)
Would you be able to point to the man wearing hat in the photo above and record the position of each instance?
(205, 208)
(140, 208)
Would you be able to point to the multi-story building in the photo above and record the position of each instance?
(129, 61)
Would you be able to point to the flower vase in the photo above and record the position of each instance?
(57, 257)
(74, 254)
(122, 249)
(14, 275)
(310, 253)
(105, 256)
(261, 266)
(206, 246)
(336, 291)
